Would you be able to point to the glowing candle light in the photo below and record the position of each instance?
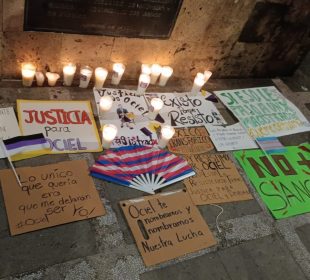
(28, 72)
(52, 78)
(109, 132)
(165, 75)
(40, 79)
(118, 71)
(167, 133)
(100, 76)
(156, 105)
(155, 72)
(207, 74)
(85, 75)
(198, 83)
(105, 105)
(69, 71)
(144, 81)
(145, 69)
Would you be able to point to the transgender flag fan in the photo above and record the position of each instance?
(143, 168)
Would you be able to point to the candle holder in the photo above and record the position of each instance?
(155, 72)
(198, 83)
(85, 75)
(165, 75)
(40, 79)
(109, 132)
(52, 78)
(68, 72)
(145, 69)
(100, 77)
(166, 133)
(144, 81)
(105, 105)
(118, 71)
(156, 105)
(28, 72)
(207, 74)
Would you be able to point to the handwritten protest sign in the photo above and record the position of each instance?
(129, 115)
(8, 125)
(50, 195)
(183, 110)
(281, 179)
(191, 140)
(264, 111)
(232, 137)
(217, 180)
(68, 126)
(166, 226)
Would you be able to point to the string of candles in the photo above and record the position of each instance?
(150, 74)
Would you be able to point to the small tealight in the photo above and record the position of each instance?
(100, 76)
(144, 81)
(85, 75)
(28, 72)
(109, 132)
(166, 134)
(155, 72)
(68, 72)
(118, 71)
(165, 75)
(52, 78)
(156, 105)
(105, 105)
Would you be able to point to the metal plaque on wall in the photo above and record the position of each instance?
(126, 18)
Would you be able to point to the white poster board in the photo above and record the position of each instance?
(264, 111)
(68, 126)
(8, 125)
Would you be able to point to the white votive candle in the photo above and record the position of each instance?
(118, 71)
(207, 74)
(85, 75)
(100, 76)
(105, 105)
(155, 72)
(69, 71)
(52, 78)
(166, 134)
(144, 81)
(165, 75)
(156, 105)
(198, 83)
(28, 72)
(146, 69)
(109, 132)
(40, 79)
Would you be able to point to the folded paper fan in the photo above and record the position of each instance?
(143, 168)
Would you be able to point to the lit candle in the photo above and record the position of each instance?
(85, 75)
(155, 72)
(69, 71)
(100, 76)
(118, 71)
(109, 132)
(28, 72)
(40, 79)
(156, 105)
(144, 81)
(105, 105)
(52, 78)
(165, 75)
(198, 83)
(207, 74)
(145, 69)
(166, 134)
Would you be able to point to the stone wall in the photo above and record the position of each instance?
(232, 38)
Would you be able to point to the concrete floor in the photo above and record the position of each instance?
(252, 245)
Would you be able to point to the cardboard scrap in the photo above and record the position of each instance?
(50, 195)
(190, 140)
(166, 226)
(281, 179)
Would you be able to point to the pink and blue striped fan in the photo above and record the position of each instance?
(143, 168)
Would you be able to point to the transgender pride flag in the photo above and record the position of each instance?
(143, 168)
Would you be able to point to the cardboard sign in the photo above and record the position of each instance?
(166, 226)
(68, 126)
(50, 195)
(282, 179)
(129, 115)
(229, 138)
(264, 111)
(191, 140)
(217, 180)
(8, 125)
(183, 110)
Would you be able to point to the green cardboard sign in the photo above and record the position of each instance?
(282, 179)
